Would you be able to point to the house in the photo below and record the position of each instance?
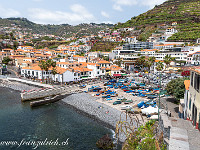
(171, 31)
(95, 70)
(192, 98)
(116, 71)
(63, 75)
(185, 106)
(174, 23)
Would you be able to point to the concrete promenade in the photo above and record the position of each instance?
(30, 82)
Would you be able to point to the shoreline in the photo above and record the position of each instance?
(87, 105)
(107, 120)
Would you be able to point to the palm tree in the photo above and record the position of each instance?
(42, 65)
(141, 61)
(45, 65)
(159, 66)
(148, 64)
(54, 71)
(168, 59)
(152, 60)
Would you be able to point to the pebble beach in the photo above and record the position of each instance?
(107, 115)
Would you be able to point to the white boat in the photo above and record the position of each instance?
(126, 107)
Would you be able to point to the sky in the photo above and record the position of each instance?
(74, 12)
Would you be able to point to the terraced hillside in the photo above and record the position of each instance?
(185, 12)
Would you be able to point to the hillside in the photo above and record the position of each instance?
(104, 46)
(60, 30)
(185, 12)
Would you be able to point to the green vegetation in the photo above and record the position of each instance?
(64, 30)
(176, 88)
(185, 12)
(6, 60)
(144, 138)
(104, 46)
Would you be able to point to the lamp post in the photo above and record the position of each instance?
(159, 98)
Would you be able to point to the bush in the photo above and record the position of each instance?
(176, 88)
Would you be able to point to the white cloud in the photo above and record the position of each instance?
(117, 7)
(150, 3)
(105, 14)
(78, 14)
(8, 12)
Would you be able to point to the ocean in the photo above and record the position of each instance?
(50, 127)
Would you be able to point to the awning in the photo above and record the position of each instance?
(117, 75)
(124, 74)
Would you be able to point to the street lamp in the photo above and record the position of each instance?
(159, 97)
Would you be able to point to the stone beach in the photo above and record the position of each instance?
(105, 114)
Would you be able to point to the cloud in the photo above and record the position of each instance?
(8, 12)
(149, 3)
(78, 14)
(117, 7)
(103, 13)
(152, 3)
(119, 3)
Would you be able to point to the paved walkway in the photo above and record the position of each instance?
(193, 134)
(183, 125)
(30, 82)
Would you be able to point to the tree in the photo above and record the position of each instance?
(118, 62)
(6, 60)
(45, 65)
(54, 71)
(141, 61)
(168, 59)
(176, 88)
(148, 64)
(159, 66)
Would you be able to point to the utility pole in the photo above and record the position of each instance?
(159, 99)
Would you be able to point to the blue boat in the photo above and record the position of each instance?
(109, 99)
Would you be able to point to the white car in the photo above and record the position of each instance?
(126, 107)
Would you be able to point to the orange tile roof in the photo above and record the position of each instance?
(158, 60)
(81, 69)
(19, 50)
(149, 50)
(115, 67)
(60, 70)
(187, 84)
(103, 62)
(63, 63)
(93, 64)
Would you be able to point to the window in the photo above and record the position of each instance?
(192, 78)
(197, 83)
(28, 72)
(33, 73)
(97, 72)
(36, 73)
